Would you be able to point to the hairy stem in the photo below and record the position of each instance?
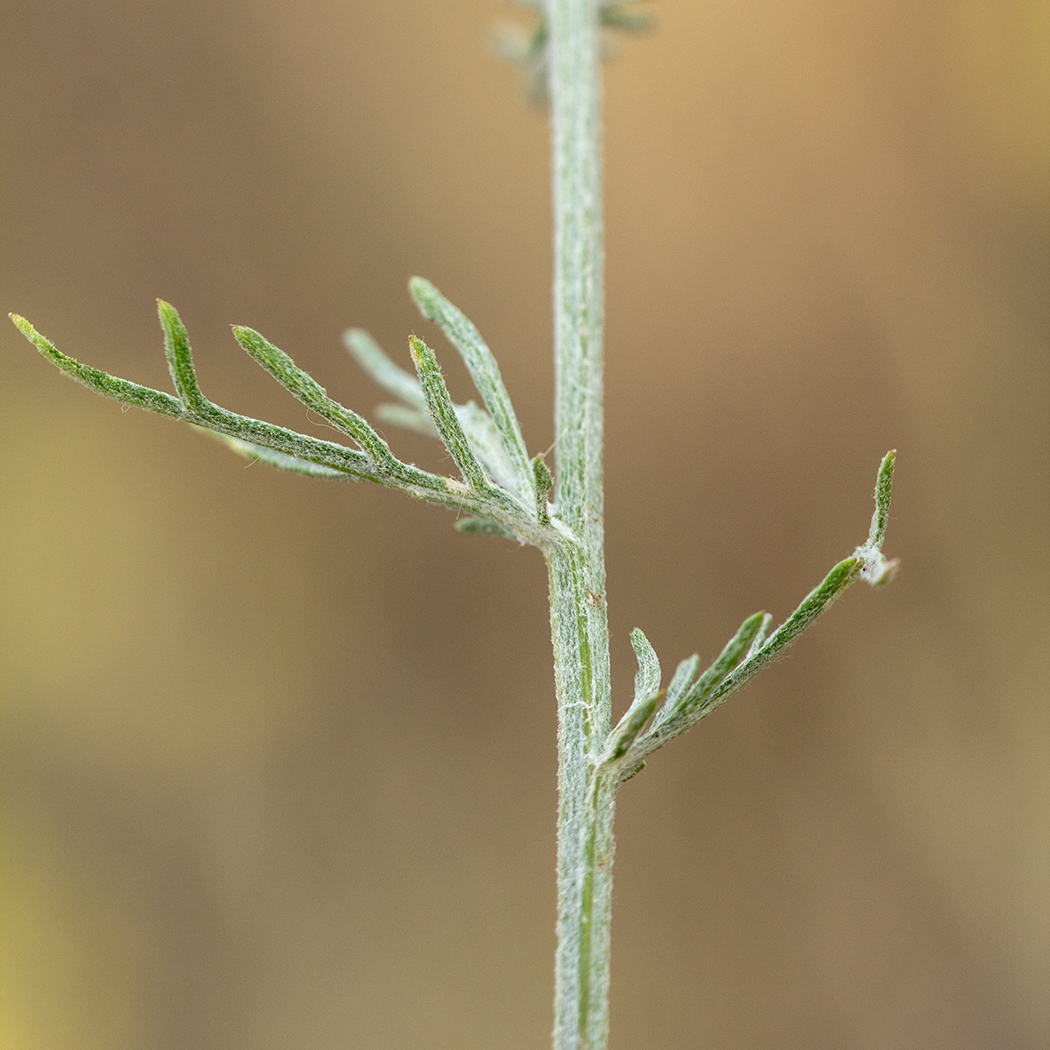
(577, 570)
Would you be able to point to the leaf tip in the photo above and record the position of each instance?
(424, 293)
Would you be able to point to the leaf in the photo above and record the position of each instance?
(486, 375)
(103, 383)
(727, 659)
(647, 678)
(443, 412)
(309, 392)
(683, 678)
(646, 696)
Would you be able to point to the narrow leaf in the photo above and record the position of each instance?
(628, 728)
(683, 678)
(647, 678)
(488, 446)
(484, 371)
(876, 569)
(883, 493)
(307, 390)
(279, 460)
(443, 412)
(103, 383)
(544, 484)
(818, 599)
(646, 696)
(727, 659)
(180, 361)
(760, 636)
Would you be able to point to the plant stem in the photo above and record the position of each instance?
(579, 623)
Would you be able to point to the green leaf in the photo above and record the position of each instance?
(875, 568)
(310, 393)
(627, 729)
(486, 375)
(647, 678)
(278, 460)
(443, 412)
(684, 675)
(180, 361)
(734, 651)
(544, 484)
(103, 383)
(883, 494)
(818, 599)
(646, 697)
(485, 440)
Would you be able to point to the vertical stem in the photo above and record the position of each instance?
(577, 570)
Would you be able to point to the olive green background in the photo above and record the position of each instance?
(279, 754)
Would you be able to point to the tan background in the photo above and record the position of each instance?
(280, 754)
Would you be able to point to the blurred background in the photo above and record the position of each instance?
(279, 763)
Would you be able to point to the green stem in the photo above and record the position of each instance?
(579, 623)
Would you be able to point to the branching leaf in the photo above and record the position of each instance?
(752, 648)
(274, 445)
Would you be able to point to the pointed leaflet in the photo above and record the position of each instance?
(818, 599)
(883, 492)
(443, 412)
(307, 390)
(729, 657)
(646, 697)
(876, 569)
(486, 375)
(683, 678)
(101, 382)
